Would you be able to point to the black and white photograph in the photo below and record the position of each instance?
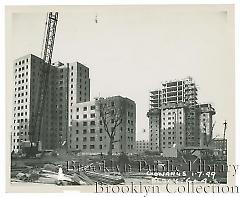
(121, 98)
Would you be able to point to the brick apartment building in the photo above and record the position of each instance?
(87, 133)
(28, 76)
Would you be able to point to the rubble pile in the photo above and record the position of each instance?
(54, 174)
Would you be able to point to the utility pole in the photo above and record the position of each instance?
(224, 136)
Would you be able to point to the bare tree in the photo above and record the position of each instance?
(111, 116)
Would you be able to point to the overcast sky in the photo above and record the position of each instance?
(132, 49)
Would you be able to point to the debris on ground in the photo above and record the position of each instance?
(54, 170)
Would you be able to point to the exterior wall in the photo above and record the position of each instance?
(21, 102)
(206, 116)
(61, 102)
(173, 126)
(78, 92)
(87, 134)
(154, 129)
(142, 146)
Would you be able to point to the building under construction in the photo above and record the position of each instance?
(175, 117)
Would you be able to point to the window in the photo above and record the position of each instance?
(84, 139)
(84, 131)
(77, 131)
(92, 130)
(92, 123)
(85, 109)
(84, 115)
(92, 146)
(93, 107)
(84, 146)
(92, 139)
(92, 115)
(100, 146)
(100, 138)
(100, 130)
(76, 146)
(76, 139)
(77, 116)
(84, 123)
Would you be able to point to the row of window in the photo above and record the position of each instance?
(20, 101)
(20, 127)
(92, 107)
(20, 75)
(92, 146)
(18, 133)
(21, 94)
(85, 131)
(171, 143)
(171, 138)
(142, 147)
(170, 113)
(21, 62)
(20, 120)
(20, 88)
(20, 114)
(170, 123)
(18, 140)
(20, 107)
(168, 128)
(21, 82)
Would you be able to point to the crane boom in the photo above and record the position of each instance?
(50, 37)
(48, 44)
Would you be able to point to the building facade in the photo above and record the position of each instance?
(154, 129)
(142, 146)
(206, 123)
(88, 134)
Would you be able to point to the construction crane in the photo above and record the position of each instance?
(47, 51)
(51, 25)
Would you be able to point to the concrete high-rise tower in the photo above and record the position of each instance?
(174, 115)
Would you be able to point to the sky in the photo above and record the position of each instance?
(132, 49)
